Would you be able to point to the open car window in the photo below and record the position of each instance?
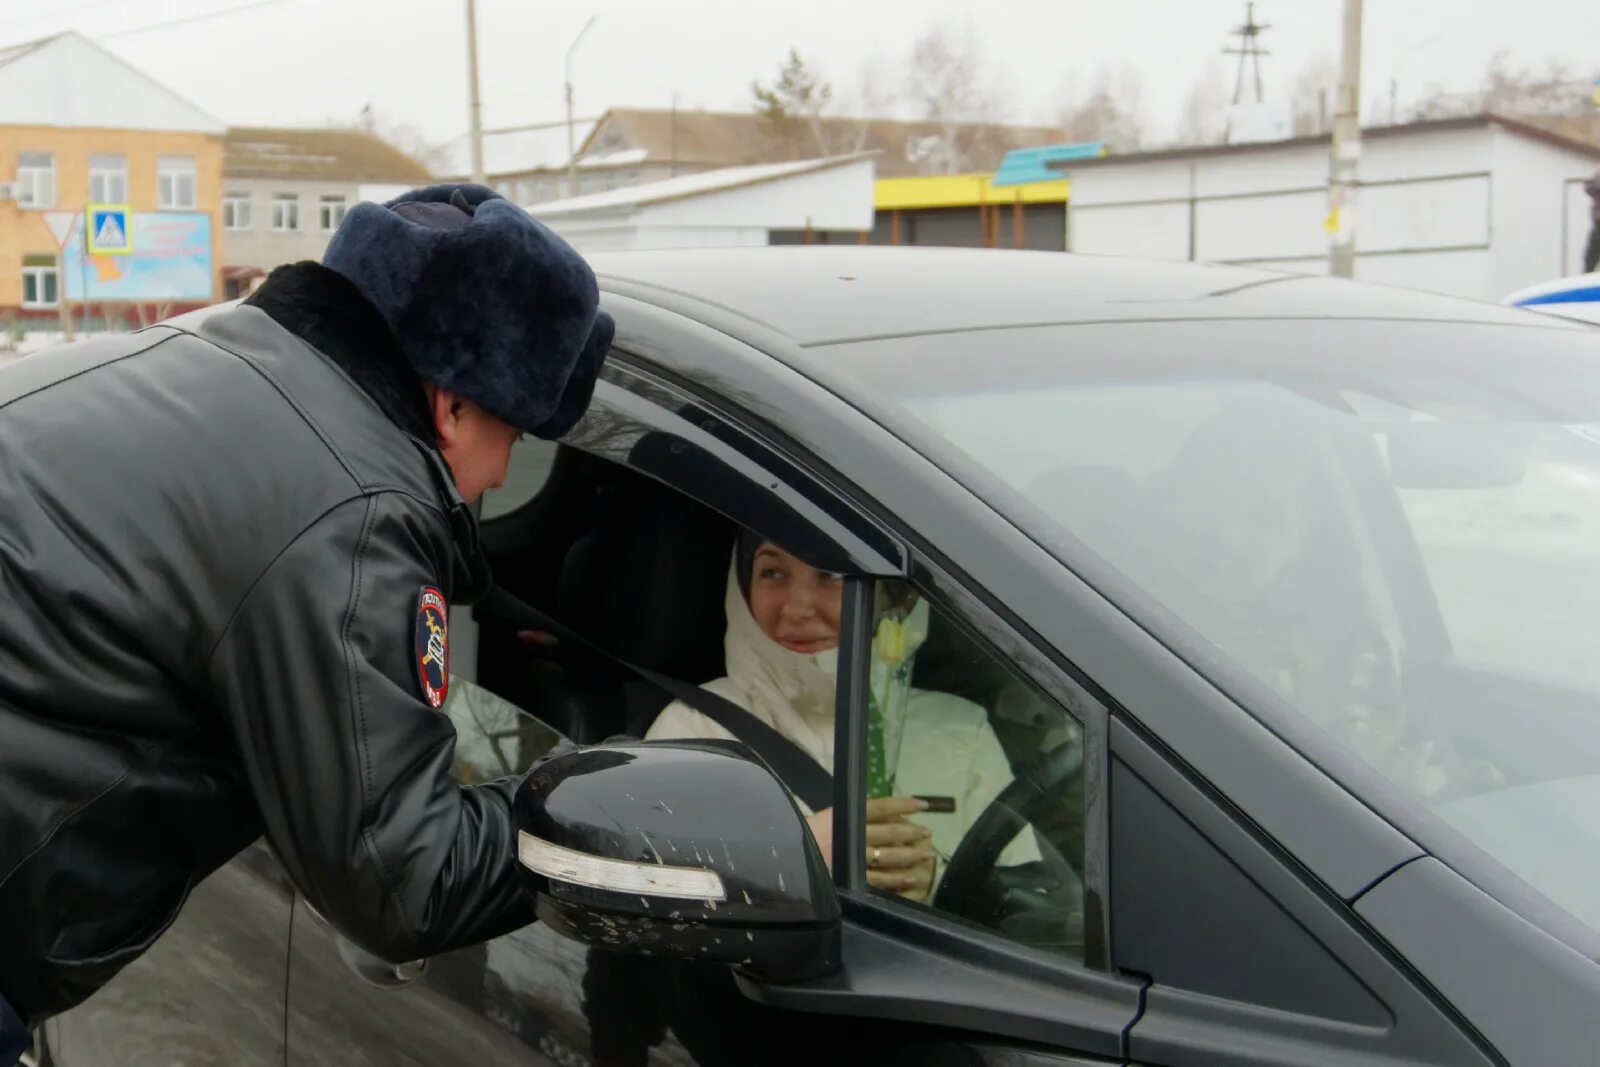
(494, 737)
(531, 458)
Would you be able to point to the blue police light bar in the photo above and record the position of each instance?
(1023, 165)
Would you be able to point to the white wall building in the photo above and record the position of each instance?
(286, 190)
(736, 206)
(1475, 207)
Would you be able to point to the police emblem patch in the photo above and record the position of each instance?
(433, 646)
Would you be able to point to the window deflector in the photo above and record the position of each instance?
(649, 426)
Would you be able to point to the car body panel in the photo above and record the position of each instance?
(1532, 997)
(826, 295)
(211, 990)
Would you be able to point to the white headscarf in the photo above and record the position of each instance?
(791, 692)
(795, 693)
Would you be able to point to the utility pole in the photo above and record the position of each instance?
(1249, 51)
(572, 147)
(472, 85)
(1346, 152)
(673, 173)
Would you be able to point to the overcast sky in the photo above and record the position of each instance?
(308, 61)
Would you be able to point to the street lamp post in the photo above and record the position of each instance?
(572, 148)
(472, 86)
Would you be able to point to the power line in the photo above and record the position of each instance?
(530, 127)
(43, 16)
(189, 19)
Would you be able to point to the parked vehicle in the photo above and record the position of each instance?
(1281, 594)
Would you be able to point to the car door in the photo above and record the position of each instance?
(210, 990)
(919, 984)
(1006, 960)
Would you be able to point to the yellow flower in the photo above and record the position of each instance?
(889, 645)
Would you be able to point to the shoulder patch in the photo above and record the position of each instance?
(432, 642)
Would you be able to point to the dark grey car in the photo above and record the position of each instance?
(1281, 596)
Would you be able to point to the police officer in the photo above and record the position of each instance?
(225, 558)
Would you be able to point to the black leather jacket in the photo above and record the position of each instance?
(212, 548)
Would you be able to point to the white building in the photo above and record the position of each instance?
(286, 190)
(1475, 207)
(735, 206)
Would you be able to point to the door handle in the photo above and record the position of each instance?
(373, 970)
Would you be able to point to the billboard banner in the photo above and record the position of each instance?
(169, 259)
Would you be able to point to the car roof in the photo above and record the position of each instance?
(820, 295)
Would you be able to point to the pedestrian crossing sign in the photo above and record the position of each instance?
(107, 231)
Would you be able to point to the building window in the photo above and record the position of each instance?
(236, 211)
(285, 212)
(108, 179)
(533, 190)
(333, 208)
(36, 180)
(175, 183)
(40, 280)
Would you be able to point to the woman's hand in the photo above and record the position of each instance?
(899, 852)
(821, 824)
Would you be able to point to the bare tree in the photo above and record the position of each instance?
(1110, 110)
(1311, 96)
(1507, 88)
(790, 109)
(433, 155)
(944, 79)
(871, 98)
(1204, 118)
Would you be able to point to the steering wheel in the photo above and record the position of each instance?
(975, 886)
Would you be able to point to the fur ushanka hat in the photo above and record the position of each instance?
(484, 300)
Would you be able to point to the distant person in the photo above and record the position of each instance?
(1591, 253)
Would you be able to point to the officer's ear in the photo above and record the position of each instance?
(448, 410)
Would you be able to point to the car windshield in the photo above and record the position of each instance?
(1391, 528)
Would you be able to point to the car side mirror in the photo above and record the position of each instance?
(682, 849)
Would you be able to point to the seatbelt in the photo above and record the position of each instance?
(794, 766)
